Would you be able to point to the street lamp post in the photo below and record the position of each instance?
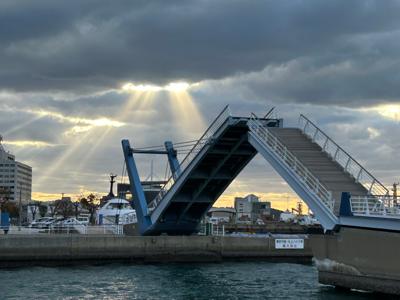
(19, 208)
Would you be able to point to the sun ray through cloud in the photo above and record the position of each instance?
(61, 159)
(138, 101)
(22, 125)
(186, 115)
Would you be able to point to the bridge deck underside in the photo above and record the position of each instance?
(328, 172)
(220, 165)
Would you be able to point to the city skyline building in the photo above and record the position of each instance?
(15, 177)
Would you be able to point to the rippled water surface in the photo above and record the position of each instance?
(244, 280)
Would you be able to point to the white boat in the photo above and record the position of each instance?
(287, 217)
(116, 211)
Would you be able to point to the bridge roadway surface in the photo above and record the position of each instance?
(328, 172)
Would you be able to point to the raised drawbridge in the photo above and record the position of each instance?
(338, 190)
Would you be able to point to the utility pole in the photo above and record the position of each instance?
(19, 208)
(395, 192)
(151, 171)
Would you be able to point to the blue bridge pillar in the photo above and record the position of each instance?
(172, 159)
(140, 204)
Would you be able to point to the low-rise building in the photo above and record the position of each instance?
(260, 212)
(222, 214)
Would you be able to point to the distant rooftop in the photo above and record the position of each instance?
(5, 155)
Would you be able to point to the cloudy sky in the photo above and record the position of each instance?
(78, 76)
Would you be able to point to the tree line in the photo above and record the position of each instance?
(63, 207)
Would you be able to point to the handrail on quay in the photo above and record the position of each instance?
(107, 229)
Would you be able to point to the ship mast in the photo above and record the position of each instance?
(112, 181)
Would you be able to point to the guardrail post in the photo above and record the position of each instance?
(370, 188)
(347, 163)
(325, 144)
(330, 203)
(336, 153)
(315, 134)
(359, 175)
(305, 126)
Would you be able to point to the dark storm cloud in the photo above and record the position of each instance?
(94, 45)
(351, 83)
(68, 57)
(26, 126)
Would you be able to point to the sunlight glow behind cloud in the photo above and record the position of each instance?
(390, 111)
(174, 87)
(27, 143)
(100, 122)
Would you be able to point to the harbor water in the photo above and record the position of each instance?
(228, 280)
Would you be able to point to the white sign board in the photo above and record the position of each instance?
(289, 243)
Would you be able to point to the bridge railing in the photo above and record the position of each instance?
(378, 206)
(291, 162)
(204, 140)
(348, 163)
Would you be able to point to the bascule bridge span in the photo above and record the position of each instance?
(361, 220)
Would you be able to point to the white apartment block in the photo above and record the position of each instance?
(15, 177)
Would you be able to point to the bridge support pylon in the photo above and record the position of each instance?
(140, 204)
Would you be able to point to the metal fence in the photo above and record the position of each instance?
(212, 229)
(67, 229)
(379, 206)
(291, 162)
(348, 163)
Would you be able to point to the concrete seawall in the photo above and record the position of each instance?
(64, 249)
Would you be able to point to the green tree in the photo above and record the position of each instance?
(52, 208)
(76, 208)
(91, 203)
(34, 207)
(11, 208)
(5, 195)
(64, 207)
(42, 210)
